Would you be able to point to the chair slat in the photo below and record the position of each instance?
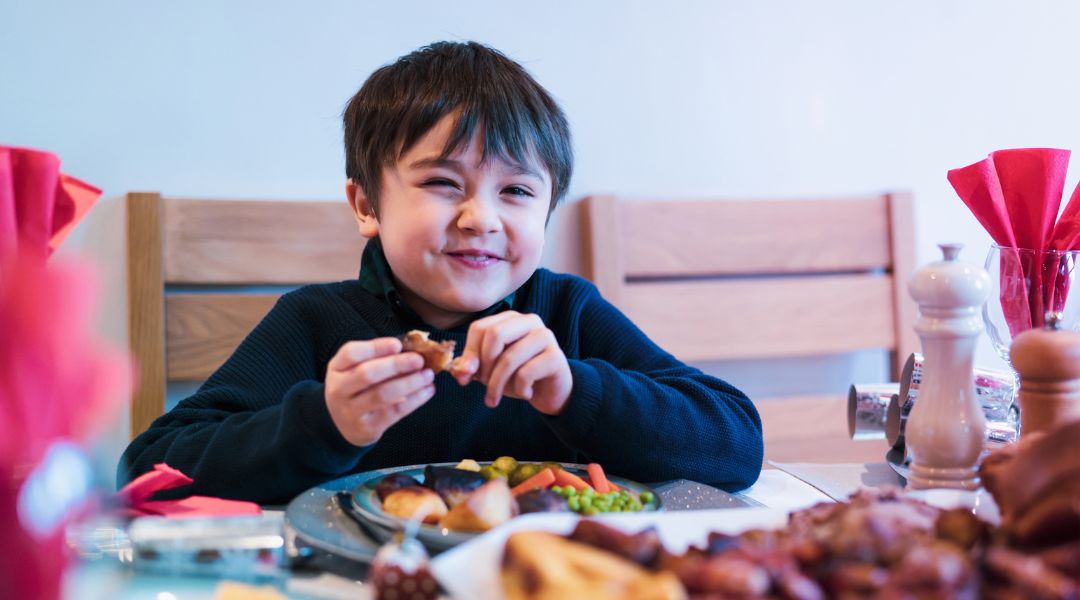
(764, 318)
(253, 242)
(202, 330)
(692, 238)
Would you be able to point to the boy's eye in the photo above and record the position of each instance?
(439, 182)
(518, 191)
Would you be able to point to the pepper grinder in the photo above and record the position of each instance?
(1048, 362)
(946, 428)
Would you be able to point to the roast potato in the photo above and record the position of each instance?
(415, 502)
(490, 505)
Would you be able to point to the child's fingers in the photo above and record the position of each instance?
(463, 368)
(352, 353)
(478, 330)
(371, 373)
(382, 419)
(502, 335)
(510, 360)
(540, 366)
(393, 391)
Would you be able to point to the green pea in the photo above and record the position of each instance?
(573, 503)
(588, 511)
(646, 497)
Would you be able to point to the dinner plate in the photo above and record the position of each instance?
(368, 505)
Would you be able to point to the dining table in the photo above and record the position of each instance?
(802, 467)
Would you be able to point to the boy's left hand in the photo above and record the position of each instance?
(516, 355)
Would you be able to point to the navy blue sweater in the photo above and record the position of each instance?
(259, 429)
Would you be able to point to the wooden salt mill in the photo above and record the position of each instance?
(1048, 363)
(946, 429)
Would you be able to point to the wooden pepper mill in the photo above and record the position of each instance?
(1048, 363)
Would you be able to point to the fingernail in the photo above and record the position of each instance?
(427, 375)
(429, 391)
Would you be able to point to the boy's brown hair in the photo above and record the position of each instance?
(402, 101)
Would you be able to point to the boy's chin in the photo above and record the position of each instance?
(475, 304)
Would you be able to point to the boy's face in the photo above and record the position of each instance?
(459, 235)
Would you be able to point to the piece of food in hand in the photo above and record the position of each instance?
(415, 503)
(538, 565)
(437, 355)
(392, 483)
(539, 500)
(490, 505)
(454, 485)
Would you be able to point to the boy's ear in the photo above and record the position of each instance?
(365, 217)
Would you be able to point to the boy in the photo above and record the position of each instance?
(455, 158)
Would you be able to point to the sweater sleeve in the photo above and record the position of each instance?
(258, 429)
(644, 415)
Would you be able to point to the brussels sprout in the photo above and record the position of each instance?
(523, 472)
(506, 464)
(551, 465)
(490, 472)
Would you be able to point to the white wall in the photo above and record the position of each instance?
(729, 99)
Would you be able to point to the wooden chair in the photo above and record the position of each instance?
(765, 279)
(201, 274)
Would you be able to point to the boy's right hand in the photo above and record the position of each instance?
(370, 385)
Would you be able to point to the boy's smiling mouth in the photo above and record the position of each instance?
(474, 258)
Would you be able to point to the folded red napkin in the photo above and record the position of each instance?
(135, 498)
(1015, 195)
(39, 205)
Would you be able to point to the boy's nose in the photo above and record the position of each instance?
(479, 215)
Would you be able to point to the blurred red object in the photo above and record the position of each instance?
(39, 205)
(59, 383)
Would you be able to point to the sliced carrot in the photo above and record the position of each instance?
(564, 477)
(597, 478)
(542, 480)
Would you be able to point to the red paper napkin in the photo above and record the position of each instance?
(1015, 195)
(39, 205)
(135, 498)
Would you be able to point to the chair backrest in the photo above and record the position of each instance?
(201, 273)
(759, 279)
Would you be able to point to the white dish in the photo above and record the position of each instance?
(471, 570)
(979, 501)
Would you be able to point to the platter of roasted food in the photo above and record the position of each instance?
(455, 502)
(880, 543)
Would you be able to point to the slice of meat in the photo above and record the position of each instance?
(437, 355)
